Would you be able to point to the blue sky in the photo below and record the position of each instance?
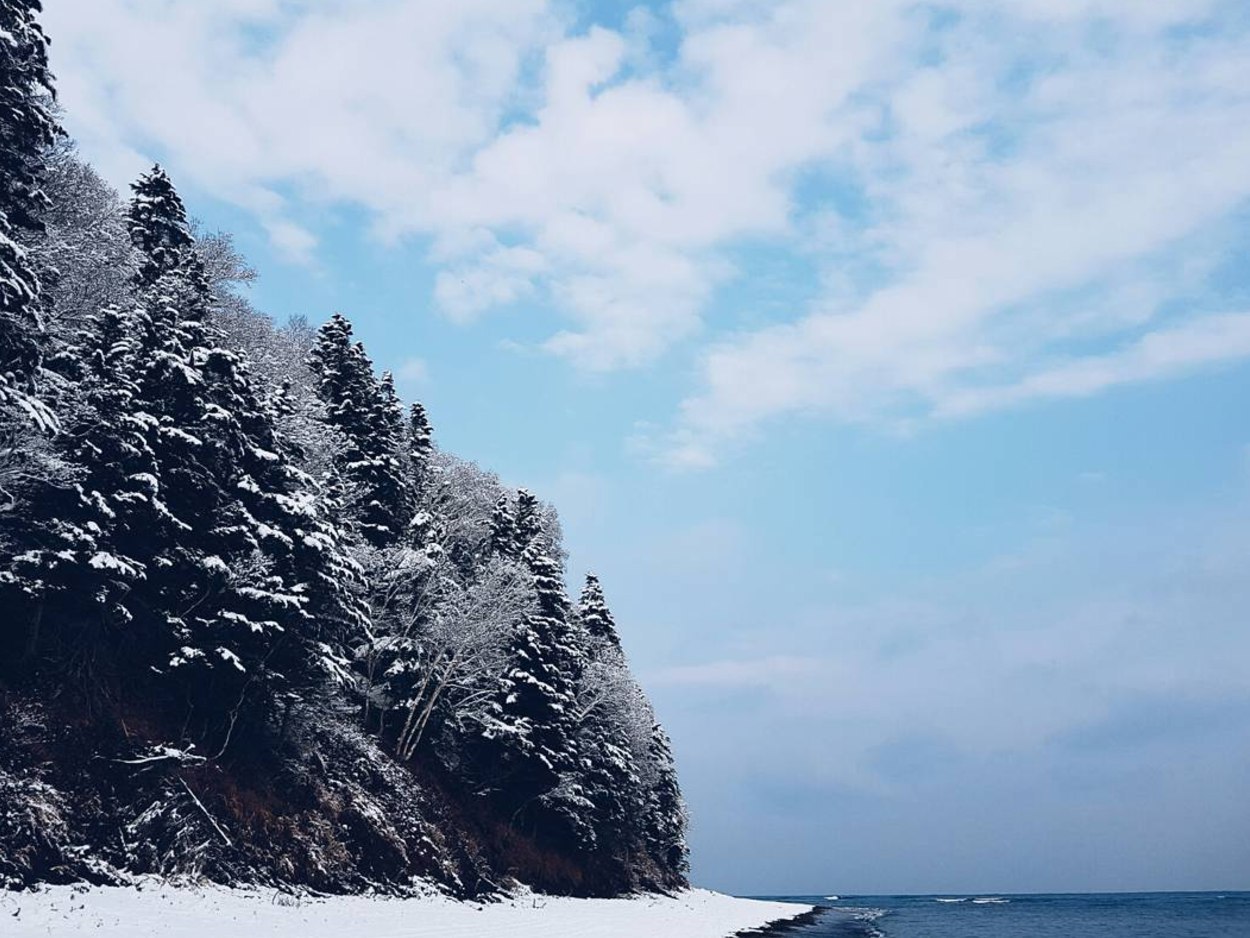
(887, 361)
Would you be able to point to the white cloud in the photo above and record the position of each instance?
(295, 242)
(1027, 235)
(370, 104)
(1162, 353)
(1007, 658)
(618, 187)
(776, 672)
(413, 370)
(1029, 186)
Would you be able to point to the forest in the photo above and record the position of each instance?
(255, 625)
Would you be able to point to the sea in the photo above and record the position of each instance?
(1089, 915)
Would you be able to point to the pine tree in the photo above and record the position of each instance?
(27, 130)
(666, 811)
(29, 470)
(378, 495)
(117, 496)
(389, 510)
(606, 771)
(420, 447)
(158, 227)
(609, 782)
(533, 721)
(528, 521)
(247, 591)
(592, 610)
(341, 381)
(503, 539)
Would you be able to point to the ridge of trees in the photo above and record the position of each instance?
(240, 524)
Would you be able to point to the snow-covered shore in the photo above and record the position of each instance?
(179, 912)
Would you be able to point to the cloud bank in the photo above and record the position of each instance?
(989, 204)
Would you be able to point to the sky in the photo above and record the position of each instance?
(889, 362)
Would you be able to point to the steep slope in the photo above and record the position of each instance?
(256, 626)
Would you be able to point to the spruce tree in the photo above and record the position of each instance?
(341, 381)
(503, 539)
(420, 447)
(607, 774)
(33, 554)
(115, 500)
(247, 591)
(27, 129)
(377, 491)
(389, 510)
(592, 610)
(666, 811)
(609, 782)
(157, 221)
(534, 713)
(528, 521)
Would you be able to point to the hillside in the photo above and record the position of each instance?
(257, 626)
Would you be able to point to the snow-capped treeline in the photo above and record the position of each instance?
(229, 555)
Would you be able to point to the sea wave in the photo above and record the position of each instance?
(863, 914)
(865, 919)
(990, 900)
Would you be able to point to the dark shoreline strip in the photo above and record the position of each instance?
(783, 925)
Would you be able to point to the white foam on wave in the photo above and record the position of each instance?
(964, 899)
(833, 898)
(990, 900)
(865, 915)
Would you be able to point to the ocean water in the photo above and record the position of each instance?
(1093, 915)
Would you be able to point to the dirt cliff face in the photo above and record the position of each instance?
(88, 798)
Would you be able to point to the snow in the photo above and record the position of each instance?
(180, 912)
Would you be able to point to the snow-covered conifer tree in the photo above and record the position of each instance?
(27, 129)
(592, 610)
(377, 492)
(666, 811)
(390, 483)
(503, 539)
(246, 588)
(420, 446)
(157, 221)
(528, 522)
(531, 729)
(87, 537)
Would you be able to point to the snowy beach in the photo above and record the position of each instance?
(179, 912)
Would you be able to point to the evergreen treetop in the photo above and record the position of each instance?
(27, 130)
(592, 610)
(158, 226)
(528, 521)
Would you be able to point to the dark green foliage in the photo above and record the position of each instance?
(503, 539)
(255, 591)
(595, 616)
(376, 491)
(666, 812)
(530, 747)
(27, 129)
(420, 447)
(27, 126)
(189, 547)
(527, 526)
(158, 227)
